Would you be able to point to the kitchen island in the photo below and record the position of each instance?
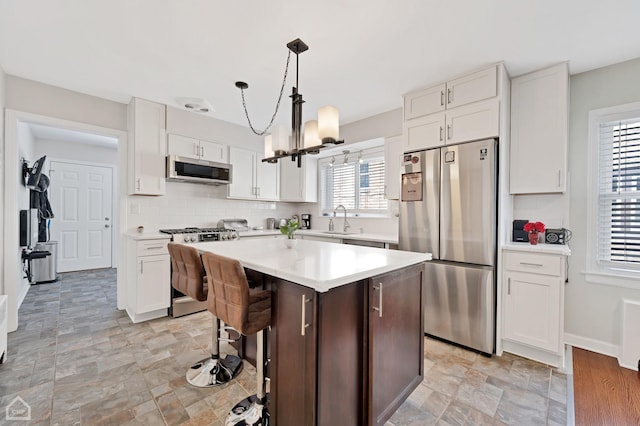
(346, 340)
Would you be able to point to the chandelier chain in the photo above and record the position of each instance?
(273, 117)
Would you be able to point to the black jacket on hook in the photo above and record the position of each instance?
(39, 200)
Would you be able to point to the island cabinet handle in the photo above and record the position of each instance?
(509, 287)
(303, 323)
(142, 266)
(379, 307)
(532, 264)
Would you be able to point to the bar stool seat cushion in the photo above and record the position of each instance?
(188, 272)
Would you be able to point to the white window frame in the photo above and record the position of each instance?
(327, 211)
(597, 272)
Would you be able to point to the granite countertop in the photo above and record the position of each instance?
(538, 248)
(315, 264)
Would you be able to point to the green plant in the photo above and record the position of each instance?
(290, 228)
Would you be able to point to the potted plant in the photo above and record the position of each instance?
(533, 228)
(289, 230)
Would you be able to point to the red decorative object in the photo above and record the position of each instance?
(533, 228)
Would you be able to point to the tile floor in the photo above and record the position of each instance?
(76, 359)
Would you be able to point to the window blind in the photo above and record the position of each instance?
(618, 230)
(359, 186)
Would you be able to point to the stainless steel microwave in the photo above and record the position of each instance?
(184, 169)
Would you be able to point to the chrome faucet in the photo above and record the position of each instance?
(346, 225)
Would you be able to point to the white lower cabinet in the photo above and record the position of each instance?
(533, 306)
(149, 285)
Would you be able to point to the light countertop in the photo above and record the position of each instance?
(366, 236)
(314, 264)
(539, 248)
(139, 236)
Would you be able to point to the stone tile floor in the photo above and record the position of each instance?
(76, 359)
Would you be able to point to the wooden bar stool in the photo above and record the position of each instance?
(247, 312)
(188, 278)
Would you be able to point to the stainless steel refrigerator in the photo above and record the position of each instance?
(448, 207)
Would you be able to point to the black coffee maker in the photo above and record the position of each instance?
(305, 221)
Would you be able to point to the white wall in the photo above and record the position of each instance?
(26, 149)
(43, 99)
(2, 101)
(58, 150)
(592, 311)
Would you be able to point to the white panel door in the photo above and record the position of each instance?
(81, 198)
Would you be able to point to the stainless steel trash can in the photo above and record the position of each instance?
(45, 270)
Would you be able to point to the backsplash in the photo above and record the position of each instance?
(189, 204)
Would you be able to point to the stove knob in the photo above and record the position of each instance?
(223, 236)
(186, 238)
(233, 236)
(194, 238)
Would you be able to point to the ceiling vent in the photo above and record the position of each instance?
(195, 104)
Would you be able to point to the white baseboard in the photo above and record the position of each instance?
(592, 345)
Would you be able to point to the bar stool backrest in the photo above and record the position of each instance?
(188, 273)
(230, 298)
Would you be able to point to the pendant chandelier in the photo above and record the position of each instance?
(317, 134)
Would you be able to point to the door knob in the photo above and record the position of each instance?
(106, 218)
(107, 225)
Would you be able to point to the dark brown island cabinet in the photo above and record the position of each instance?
(348, 356)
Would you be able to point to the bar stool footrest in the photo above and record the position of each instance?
(211, 372)
(248, 412)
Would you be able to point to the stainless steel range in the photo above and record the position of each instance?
(180, 303)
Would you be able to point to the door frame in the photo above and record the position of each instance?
(114, 200)
(9, 232)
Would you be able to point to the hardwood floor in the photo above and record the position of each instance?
(604, 393)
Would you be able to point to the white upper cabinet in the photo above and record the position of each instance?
(472, 88)
(146, 148)
(392, 161)
(252, 179)
(460, 110)
(425, 101)
(479, 120)
(299, 184)
(424, 132)
(539, 110)
(193, 148)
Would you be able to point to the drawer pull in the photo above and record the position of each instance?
(142, 267)
(303, 323)
(154, 247)
(379, 307)
(531, 264)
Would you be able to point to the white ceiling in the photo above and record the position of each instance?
(364, 54)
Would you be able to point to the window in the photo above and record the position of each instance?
(356, 181)
(615, 246)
